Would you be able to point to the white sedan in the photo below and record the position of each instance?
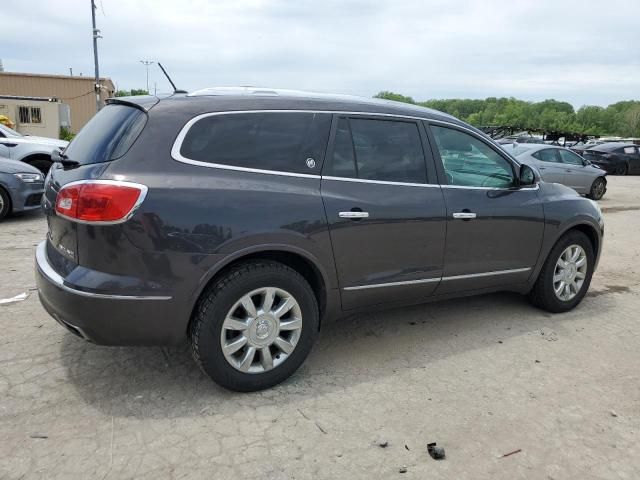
(36, 151)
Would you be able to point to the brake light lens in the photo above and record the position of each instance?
(99, 201)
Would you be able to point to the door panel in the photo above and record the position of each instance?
(494, 228)
(576, 176)
(549, 163)
(387, 224)
(506, 234)
(402, 240)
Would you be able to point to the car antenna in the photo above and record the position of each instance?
(175, 90)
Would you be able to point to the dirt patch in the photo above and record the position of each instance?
(618, 209)
(609, 289)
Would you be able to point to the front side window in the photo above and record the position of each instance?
(570, 157)
(470, 162)
(382, 150)
(547, 155)
(282, 141)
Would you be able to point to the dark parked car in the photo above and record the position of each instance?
(21, 187)
(615, 157)
(243, 219)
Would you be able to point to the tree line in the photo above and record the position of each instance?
(618, 119)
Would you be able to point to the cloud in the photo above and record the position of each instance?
(427, 49)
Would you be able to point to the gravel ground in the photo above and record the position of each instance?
(482, 377)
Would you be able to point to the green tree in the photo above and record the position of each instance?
(131, 93)
(621, 118)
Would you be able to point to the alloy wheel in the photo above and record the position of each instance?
(570, 272)
(261, 330)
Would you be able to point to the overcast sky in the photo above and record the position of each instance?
(426, 49)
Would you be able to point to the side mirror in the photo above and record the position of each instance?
(55, 156)
(528, 176)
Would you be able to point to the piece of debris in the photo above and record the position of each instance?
(499, 341)
(436, 452)
(17, 298)
(412, 323)
(39, 436)
(383, 444)
(511, 453)
(407, 447)
(613, 413)
(403, 469)
(537, 361)
(320, 428)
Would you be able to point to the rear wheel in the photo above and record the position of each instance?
(5, 203)
(254, 326)
(566, 274)
(622, 169)
(598, 188)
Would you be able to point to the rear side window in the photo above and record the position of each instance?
(108, 135)
(547, 155)
(282, 141)
(378, 150)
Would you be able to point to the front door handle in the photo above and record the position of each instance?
(464, 215)
(353, 215)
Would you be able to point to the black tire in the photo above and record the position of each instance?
(5, 204)
(598, 189)
(622, 169)
(43, 164)
(216, 301)
(542, 294)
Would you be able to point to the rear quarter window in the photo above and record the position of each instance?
(108, 135)
(275, 141)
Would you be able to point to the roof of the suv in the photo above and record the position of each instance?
(219, 99)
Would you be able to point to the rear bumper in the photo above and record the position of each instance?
(108, 319)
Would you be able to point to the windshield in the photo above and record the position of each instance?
(8, 132)
(108, 135)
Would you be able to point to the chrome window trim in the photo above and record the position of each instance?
(380, 182)
(143, 194)
(177, 145)
(511, 189)
(438, 279)
(47, 271)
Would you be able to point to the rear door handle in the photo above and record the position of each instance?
(464, 215)
(353, 215)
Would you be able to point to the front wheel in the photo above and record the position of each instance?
(598, 188)
(255, 326)
(5, 203)
(566, 274)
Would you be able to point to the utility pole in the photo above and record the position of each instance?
(146, 63)
(96, 36)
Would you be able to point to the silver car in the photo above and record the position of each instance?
(21, 187)
(561, 165)
(36, 151)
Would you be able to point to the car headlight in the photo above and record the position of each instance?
(30, 177)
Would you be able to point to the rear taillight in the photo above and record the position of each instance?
(99, 201)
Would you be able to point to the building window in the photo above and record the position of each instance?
(29, 115)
